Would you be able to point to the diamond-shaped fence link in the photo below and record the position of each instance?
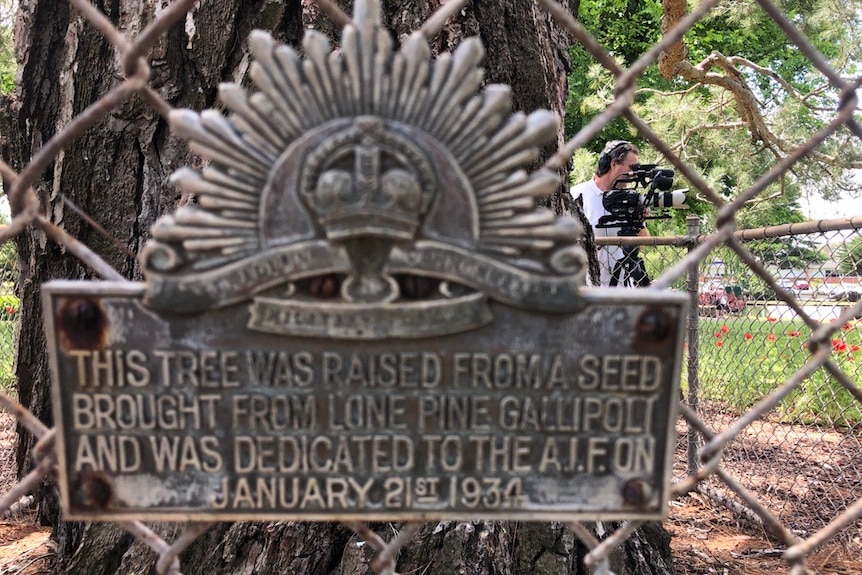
(773, 343)
(748, 340)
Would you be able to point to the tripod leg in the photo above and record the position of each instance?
(630, 270)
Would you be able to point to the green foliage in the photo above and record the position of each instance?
(8, 315)
(849, 257)
(734, 271)
(703, 123)
(7, 355)
(9, 304)
(656, 261)
(8, 255)
(8, 262)
(787, 253)
(8, 65)
(628, 28)
(744, 358)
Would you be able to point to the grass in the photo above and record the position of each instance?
(9, 305)
(7, 355)
(744, 358)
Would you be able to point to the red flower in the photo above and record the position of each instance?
(772, 319)
(793, 333)
(717, 334)
(839, 345)
(853, 347)
(770, 336)
(724, 329)
(846, 327)
(749, 336)
(719, 343)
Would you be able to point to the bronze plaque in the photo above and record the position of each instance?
(535, 416)
(364, 315)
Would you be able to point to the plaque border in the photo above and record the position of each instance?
(591, 297)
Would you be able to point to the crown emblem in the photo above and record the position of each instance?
(370, 181)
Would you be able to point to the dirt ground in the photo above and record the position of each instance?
(801, 473)
(24, 545)
(805, 475)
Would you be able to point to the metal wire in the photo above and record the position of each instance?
(824, 354)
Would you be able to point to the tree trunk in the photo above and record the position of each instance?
(117, 174)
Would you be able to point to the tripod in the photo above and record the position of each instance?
(629, 270)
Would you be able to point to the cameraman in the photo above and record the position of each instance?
(618, 158)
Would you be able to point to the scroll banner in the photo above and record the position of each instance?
(233, 283)
(500, 281)
(238, 281)
(361, 321)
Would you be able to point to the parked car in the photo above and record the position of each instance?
(722, 298)
(838, 292)
(825, 290)
(795, 287)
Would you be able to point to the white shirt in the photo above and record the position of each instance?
(593, 210)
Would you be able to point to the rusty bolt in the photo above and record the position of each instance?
(92, 491)
(654, 324)
(82, 323)
(636, 492)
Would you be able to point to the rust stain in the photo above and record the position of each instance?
(82, 324)
(92, 491)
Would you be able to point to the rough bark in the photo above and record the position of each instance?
(117, 173)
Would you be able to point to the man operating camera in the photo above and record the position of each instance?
(618, 158)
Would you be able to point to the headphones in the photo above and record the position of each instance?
(615, 150)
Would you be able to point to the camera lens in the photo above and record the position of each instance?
(675, 199)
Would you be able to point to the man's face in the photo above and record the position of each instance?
(623, 166)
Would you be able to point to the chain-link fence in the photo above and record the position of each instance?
(8, 314)
(803, 459)
(795, 323)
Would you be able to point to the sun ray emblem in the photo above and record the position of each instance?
(376, 187)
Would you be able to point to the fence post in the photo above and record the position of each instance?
(693, 228)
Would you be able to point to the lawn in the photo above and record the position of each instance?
(7, 354)
(8, 316)
(743, 358)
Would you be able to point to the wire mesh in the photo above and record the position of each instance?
(797, 325)
(750, 341)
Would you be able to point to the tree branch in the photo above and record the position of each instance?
(674, 63)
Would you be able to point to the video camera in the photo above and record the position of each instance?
(625, 206)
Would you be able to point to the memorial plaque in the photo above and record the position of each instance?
(364, 316)
(535, 416)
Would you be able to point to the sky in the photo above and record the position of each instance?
(816, 208)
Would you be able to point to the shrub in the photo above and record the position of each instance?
(8, 307)
(744, 358)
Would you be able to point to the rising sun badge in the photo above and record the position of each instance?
(365, 193)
